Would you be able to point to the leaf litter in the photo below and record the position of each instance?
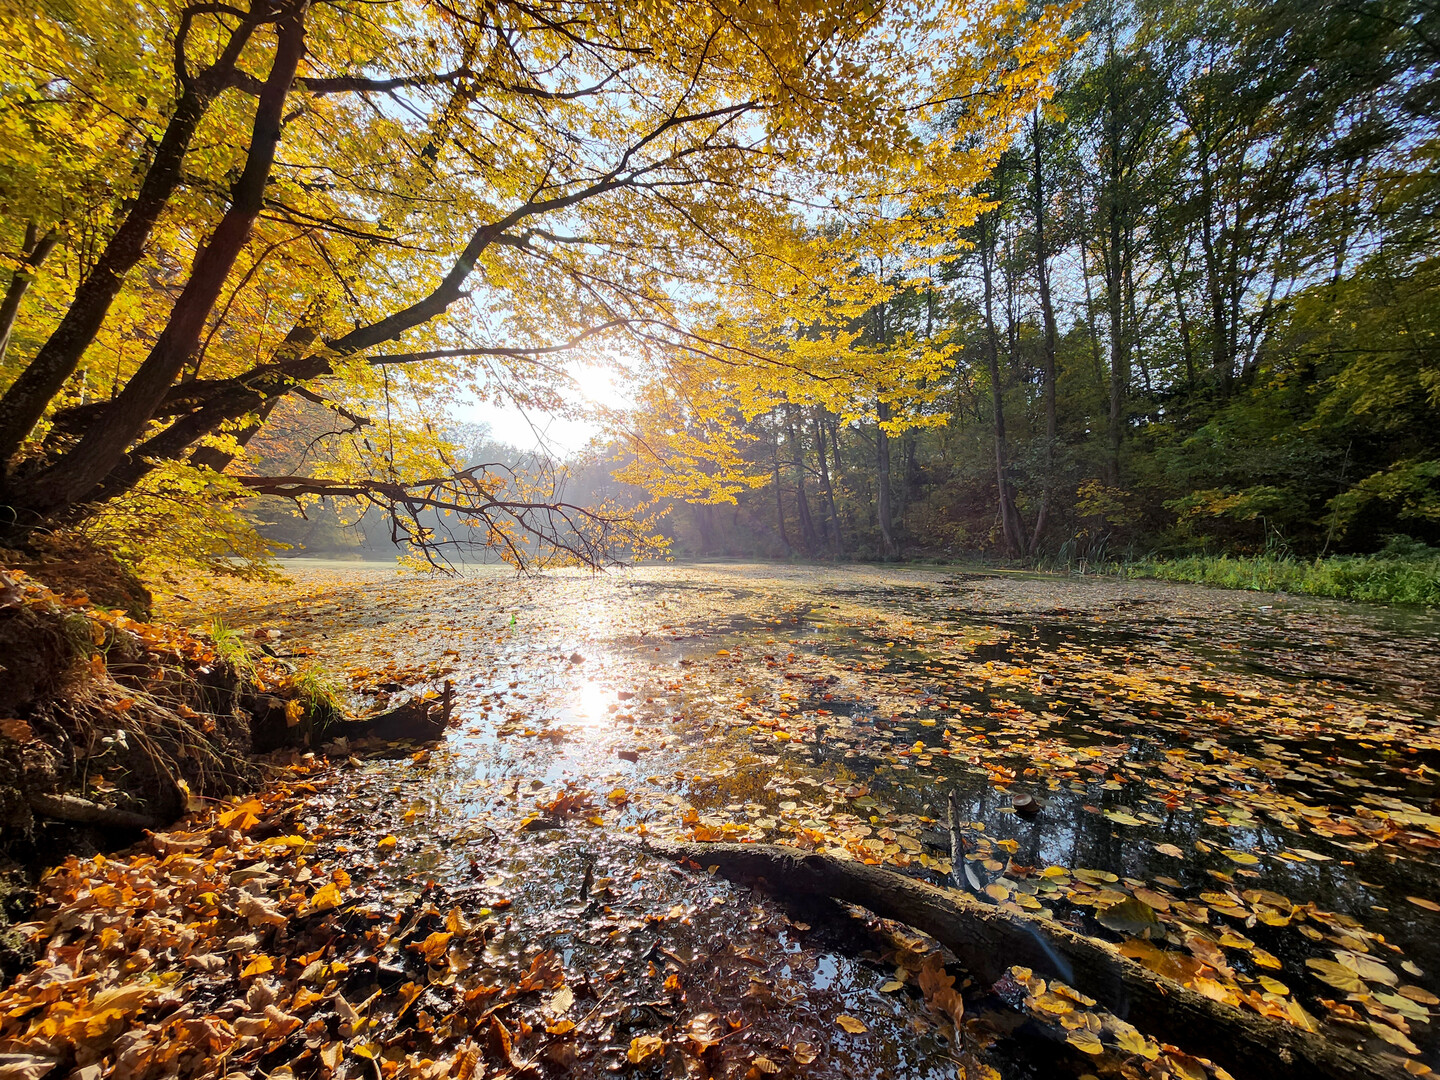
(1241, 800)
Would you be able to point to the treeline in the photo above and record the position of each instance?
(1200, 314)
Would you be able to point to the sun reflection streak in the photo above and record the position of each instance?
(589, 704)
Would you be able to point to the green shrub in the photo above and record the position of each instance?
(1403, 573)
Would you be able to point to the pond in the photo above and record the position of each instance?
(1239, 789)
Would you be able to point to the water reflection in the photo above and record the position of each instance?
(839, 707)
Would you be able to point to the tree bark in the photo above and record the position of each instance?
(883, 512)
(1009, 520)
(24, 403)
(35, 250)
(80, 811)
(102, 448)
(827, 491)
(987, 941)
(797, 453)
(1047, 314)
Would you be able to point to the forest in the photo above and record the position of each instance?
(850, 701)
(1195, 317)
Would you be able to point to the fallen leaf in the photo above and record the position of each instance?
(1085, 1040)
(644, 1047)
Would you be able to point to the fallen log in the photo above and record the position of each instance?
(987, 941)
(420, 719)
(78, 811)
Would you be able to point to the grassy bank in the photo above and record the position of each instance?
(1388, 578)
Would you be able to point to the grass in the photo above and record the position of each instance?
(321, 694)
(230, 647)
(1407, 576)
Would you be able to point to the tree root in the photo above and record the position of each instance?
(80, 811)
(987, 941)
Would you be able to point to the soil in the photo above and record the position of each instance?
(74, 568)
(105, 720)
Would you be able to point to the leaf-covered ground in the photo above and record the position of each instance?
(1238, 791)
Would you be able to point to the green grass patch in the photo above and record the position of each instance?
(321, 694)
(232, 648)
(1411, 577)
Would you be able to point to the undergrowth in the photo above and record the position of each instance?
(321, 694)
(317, 693)
(1403, 573)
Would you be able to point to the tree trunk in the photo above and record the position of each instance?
(1097, 363)
(102, 448)
(1114, 203)
(35, 249)
(1219, 361)
(826, 490)
(797, 454)
(883, 512)
(1186, 337)
(1009, 521)
(1047, 314)
(779, 501)
(24, 403)
(987, 941)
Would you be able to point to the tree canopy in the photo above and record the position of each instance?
(359, 202)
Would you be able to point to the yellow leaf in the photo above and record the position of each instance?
(644, 1047)
(1336, 975)
(259, 966)
(434, 947)
(852, 1025)
(326, 897)
(1084, 1040)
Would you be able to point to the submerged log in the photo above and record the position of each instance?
(987, 941)
(421, 720)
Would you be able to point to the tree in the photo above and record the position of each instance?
(605, 168)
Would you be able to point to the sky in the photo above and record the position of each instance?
(535, 429)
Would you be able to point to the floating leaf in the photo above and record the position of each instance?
(1394, 1037)
(1367, 967)
(852, 1025)
(1130, 916)
(1085, 1040)
(644, 1047)
(1336, 975)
